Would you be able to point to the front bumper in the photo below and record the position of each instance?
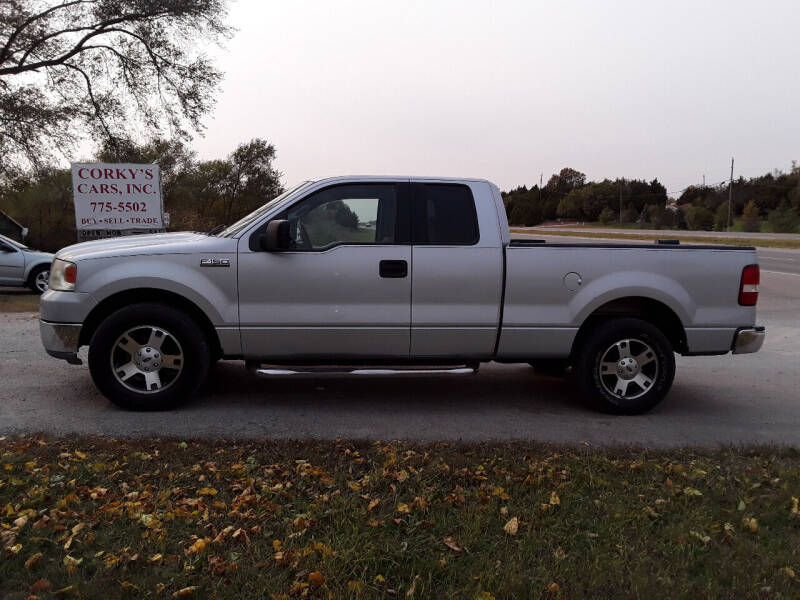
(749, 339)
(61, 340)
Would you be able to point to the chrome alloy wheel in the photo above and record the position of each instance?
(146, 359)
(628, 369)
(42, 281)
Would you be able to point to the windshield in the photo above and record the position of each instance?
(14, 243)
(245, 222)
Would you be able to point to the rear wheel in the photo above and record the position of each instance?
(39, 279)
(148, 356)
(626, 366)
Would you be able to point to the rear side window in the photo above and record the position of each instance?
(444, 214)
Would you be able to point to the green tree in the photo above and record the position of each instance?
(721, 217)
(630, 215)
(73, 68)
(700, 218)
(607, 216)
(783, 219)
(751, 220)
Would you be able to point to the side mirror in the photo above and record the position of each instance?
(277, 236)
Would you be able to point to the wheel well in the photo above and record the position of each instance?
(128, 297)
(654, 312)
(34, 270)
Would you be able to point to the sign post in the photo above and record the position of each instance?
(116, 199)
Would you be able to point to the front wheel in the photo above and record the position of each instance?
(626, 366)
(148, 356)
(39, 280)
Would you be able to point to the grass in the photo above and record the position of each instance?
(726, 241)
(19, 303)
(97, 518)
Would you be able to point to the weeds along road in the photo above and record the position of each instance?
(715, 400)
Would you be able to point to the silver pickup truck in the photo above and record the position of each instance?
(386, 274)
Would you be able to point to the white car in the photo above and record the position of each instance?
(21, 266)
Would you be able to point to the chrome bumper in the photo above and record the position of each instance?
(749, 339)
(61, 340)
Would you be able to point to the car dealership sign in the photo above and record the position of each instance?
(116, 199)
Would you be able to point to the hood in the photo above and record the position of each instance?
(38, 255)
(158, 243)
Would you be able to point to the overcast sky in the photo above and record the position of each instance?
(510, 89)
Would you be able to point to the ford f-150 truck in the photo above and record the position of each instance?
(393, 274)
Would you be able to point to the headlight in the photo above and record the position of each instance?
(63, 275)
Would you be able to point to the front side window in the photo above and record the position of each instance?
(344, 214)
(444, 214)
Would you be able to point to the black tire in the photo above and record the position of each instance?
(554, 367)
(609, 341)
(33, 284)
(183, 344)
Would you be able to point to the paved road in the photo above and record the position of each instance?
(728, 399)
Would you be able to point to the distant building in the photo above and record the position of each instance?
(10, 228)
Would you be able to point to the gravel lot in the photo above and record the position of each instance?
(715, 400)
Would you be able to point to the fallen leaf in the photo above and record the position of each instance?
(451, 543)
(512, 526)
(403, 508)
(690, 491)
(316, 579)
(751, 524)
(379, 579)
(703, 538)
(71, 563)
(554, 499)
(355, 586)
(155, 558)
(196, 548)
(127, 585)
(15, 548)
(553, 587)
(32, 560)
(795, 508)
(185, 592)
(789, 572)
(207, 491)
(559, 554)
(484, 596)
(41, 586)
(373, 504)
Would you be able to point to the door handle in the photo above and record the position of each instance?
(393, 269)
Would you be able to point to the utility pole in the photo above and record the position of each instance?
(704, 180)
(620, 201)
(730, 196)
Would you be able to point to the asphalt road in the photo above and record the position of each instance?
(715, 400)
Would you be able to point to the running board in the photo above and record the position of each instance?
(280, 371)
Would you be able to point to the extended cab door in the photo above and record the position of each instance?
(457, 270)
(343, 291)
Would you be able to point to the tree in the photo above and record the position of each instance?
(783, 219)
(629, 215)
(751, 221)
(250, 179)
(102, 67)
(566, 181)
(607, 216)
(700, 218)
(657, 216)
(721, 217)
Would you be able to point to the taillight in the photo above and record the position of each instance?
(748, 290)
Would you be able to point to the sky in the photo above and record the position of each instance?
(508, 90)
